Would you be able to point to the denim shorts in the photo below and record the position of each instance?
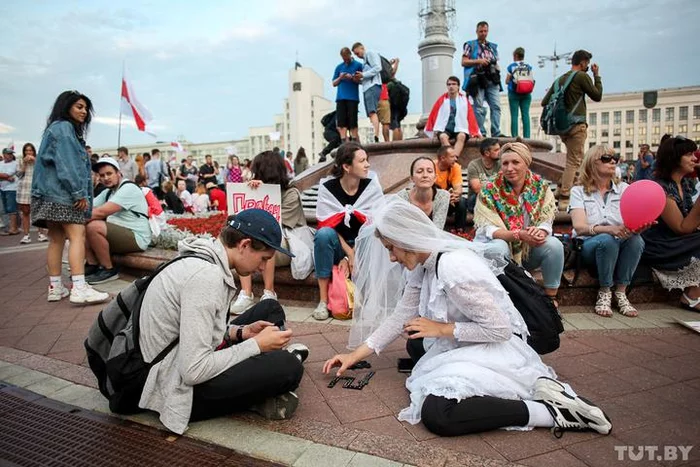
(9, 201)
(371, 96)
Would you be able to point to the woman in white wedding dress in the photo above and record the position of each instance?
(473, 371)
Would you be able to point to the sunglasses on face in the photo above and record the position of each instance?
(607, 158)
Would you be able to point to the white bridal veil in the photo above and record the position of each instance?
(379, 282)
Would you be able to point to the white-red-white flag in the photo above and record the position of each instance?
(131, 105)
(178, 147)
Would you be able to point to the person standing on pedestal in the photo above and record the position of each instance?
(347, 98)
(482, 77)
(371, 83)
(580, 86)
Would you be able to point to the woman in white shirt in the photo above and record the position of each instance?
(476, 373)
(200, 199)
(608, 244)
(184, 195)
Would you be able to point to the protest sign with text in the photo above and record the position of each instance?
(241, 197)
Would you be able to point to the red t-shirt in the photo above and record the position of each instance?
(217, 195)
(384, 95)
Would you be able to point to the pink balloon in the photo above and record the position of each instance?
(641, 203)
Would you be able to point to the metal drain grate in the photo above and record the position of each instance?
(37, 434)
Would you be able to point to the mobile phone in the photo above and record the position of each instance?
(405, 365)
(280, 325)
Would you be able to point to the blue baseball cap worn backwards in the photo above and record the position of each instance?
(260, 225)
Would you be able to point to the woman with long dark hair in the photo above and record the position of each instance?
(345, 201)
(24, 192)
(62, 194)
(673, 245)
(269, 168)
(301, 162)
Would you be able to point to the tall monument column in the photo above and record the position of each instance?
(436, 50)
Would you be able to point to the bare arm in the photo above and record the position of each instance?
(475, 185)
(105, 210)
(673, 217)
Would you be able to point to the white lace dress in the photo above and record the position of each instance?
(485, 358)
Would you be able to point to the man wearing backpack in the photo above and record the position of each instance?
(119, 223)
(371, 79)
(482, 78)
(520, 85)
(575, 85)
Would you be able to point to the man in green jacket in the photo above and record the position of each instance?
(582, 85)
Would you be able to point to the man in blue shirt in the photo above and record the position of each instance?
(644, 168)
(119, 223)
(347, 99)
(371, 83)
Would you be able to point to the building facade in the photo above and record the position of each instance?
(622, 121)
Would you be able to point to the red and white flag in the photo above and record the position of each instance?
(131, 105)
(178, 147)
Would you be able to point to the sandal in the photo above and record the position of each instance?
(624, 306)
(690, 303)
(603, 303)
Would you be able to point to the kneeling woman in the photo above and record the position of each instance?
(345, 201)
(475, 373)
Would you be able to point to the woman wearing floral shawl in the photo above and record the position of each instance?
(515, 212)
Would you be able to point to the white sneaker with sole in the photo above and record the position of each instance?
(299, 350)
(42, 237)
(321, 311)
(242, 303)
(57, 293)
(87, 295)
(279, 407)
(268, 294)
(570, 411)
(26, 239)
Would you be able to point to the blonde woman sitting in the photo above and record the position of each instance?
(607, 244)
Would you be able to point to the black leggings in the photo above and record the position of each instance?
(447, 417)
(253, 380)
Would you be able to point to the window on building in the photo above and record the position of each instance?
(629, 131)
(696, 127)
(696, 112)
(669, 114)
(629, 116)
(683, 129)
(617, 117)
(628, 144)
(592, 134)
(592, 118)
(642, 130)
(669, 129)
(591, 144)
(655, 142)
(643, 116)
(683, 113)
(296, 86)
(616, 144)
(656, 130)
(605, 118)
(656, 115)
(535, 123)
(604, 133)
(617, 131)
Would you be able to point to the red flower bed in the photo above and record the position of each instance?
(201, 225)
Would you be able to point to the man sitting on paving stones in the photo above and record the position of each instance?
(119, 223)
(203, 377)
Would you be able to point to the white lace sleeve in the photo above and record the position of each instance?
(392, 327)
(486, 321)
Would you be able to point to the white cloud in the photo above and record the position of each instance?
(5, 128)
(127, 121)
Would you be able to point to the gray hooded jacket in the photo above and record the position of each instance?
(189, 299)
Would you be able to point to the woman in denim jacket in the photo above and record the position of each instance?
(62, 194)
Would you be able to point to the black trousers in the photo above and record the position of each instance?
(447, 417)
(253, 380)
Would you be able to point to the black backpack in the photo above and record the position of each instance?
(399, 95)
(541, 316)
(539, 313)
(113, 349)
(387, 71)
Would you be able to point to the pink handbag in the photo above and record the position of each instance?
(340, 295)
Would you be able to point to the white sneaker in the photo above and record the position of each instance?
(87, 295)
(279, 407)
(299, 350)
(57, 293)
(268, 294)
(242, 303)
(570, 411)
(42, 237)
(321, 312)
(26, 239)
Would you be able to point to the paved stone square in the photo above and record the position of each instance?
(644, 372)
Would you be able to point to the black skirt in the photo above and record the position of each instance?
(668, 251)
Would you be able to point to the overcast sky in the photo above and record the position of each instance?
(208, 69)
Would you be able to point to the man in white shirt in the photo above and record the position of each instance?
(127, 166)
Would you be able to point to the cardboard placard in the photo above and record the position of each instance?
(240, 196)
